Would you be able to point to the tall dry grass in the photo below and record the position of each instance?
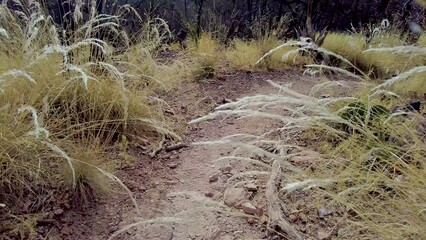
(371, 164)
(61, 108)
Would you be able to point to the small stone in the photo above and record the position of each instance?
(323, 212)
(58, 211)
(232, 196)
(209, 194)
(251, 187)
(172, 165)
(250, 220)
(142, 188)
(227, 169)
(213, 178)
(323, 235)
(293, 218)
(249, 208)
(112, 227)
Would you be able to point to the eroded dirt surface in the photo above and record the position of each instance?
(178, 190)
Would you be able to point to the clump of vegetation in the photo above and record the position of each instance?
(244, 54)
(61, 105)
(371, 169)
(207, 57)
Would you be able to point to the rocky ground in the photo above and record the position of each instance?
(184, 192)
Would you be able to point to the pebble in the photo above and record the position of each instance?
(209, 194)
(58, 211)
(323, 235)
(213, 178)
(233, 196)
(293, 218)
(227, 169)
(251, 187)
(172, 165)
(249, 208)
(323, 212)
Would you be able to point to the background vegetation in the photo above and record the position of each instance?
(79, 80)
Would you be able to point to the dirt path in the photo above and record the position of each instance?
(183, 191)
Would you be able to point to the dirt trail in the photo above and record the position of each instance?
(180, 186)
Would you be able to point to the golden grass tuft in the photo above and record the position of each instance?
(60, 114)
(377, 64)
(371, 169)
(244, 54)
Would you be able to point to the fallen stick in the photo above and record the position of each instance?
(275, 211)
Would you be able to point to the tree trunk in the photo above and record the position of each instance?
(383, 6)
(199, 14)
(309, 29)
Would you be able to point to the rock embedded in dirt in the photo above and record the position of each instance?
(209, 194)
(323, 235)
(58, 211)
(172, 165)
(226, 169)
(249, 208)
(112, 227)
(251, 187)
(213, 178)
(323, 212)
(293, 218)
(233, 196)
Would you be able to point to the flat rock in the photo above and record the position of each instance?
(213, 178)
(58, 211)
(323, 235)
(249, 208)
(251, 187)
(323, 212)
(209, 194)
(234, 196)
(226, 169)
(172, 165)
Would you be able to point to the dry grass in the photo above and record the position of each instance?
(242, 54)
(245, 54)
(371, 170)
(60, 112)
(374, 63)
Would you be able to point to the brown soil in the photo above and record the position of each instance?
(173, 189)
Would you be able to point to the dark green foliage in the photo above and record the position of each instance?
(357, 112)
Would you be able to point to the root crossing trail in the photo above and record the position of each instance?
(186, 194)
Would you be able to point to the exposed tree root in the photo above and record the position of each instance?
(176, 147)
(275, 211)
